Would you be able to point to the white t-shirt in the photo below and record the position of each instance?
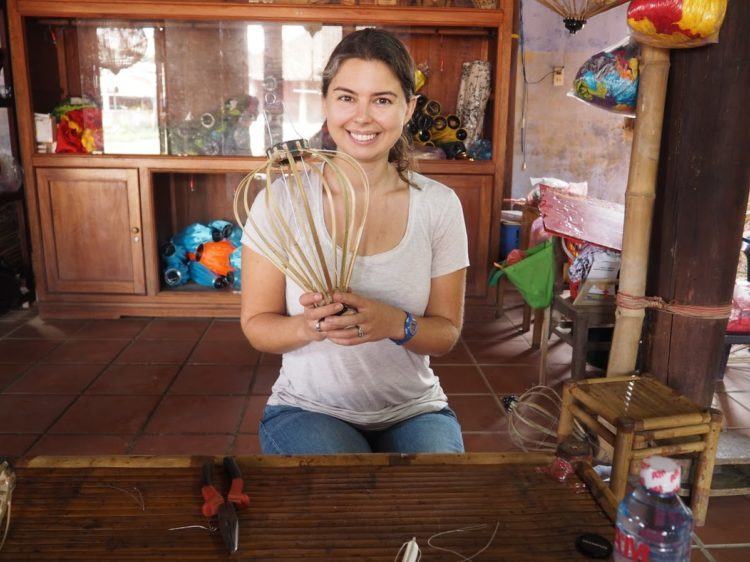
(375, 384)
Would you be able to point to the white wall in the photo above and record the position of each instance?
(567, 138)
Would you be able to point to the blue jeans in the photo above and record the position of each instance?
(287, 430)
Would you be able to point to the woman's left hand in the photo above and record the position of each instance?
(372, 321)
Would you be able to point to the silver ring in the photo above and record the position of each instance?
(360, 332)
(317, 326)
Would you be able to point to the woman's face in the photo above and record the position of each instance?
(366, 109)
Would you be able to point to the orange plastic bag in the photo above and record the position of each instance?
(215, 256)
(674, 24)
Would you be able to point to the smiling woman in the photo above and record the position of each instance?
(362, 382)
(366, 109)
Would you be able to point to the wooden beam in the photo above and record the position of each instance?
(704, 176)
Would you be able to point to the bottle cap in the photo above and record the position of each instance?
(660, 475)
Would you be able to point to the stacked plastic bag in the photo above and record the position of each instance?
(609, 79)
(205, 254)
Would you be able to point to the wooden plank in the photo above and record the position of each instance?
(277, 461)
(584, 218)
(394, 15)
(202, 164)
(307, 508)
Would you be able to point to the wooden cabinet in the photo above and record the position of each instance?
(204, 89)
(91, 230)
(475, 193)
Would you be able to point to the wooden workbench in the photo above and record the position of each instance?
(302, 508)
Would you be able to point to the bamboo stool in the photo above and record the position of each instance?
(639, 417)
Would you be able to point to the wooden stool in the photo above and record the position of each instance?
(528, 216)
(639, 417)
(583, 319)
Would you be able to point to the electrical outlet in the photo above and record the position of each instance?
(558, 76)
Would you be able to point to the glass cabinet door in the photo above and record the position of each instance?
(202, 88)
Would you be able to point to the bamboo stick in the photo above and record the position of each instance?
(544, 346)
(599, 490)
(704, 471)
(621, 462)
(601, 380)
(670, 433)
(592, 424)
(668, 450)
(565, 424)
(639, 206)
(597, 406)
(679, 420)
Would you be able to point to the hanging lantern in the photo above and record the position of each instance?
(121, 47)
(296, 194)
(575, 13)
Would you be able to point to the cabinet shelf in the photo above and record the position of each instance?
(289, 13)
(225, 163)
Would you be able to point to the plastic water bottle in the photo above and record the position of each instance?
(653, 525)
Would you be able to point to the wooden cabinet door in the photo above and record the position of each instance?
(475, 193)
(91, 230)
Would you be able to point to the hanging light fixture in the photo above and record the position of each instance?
(121, 47)
(575, 13)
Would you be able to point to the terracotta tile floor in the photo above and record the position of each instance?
(194, 386)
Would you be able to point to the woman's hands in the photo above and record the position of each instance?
(314, 315)
(371, 321)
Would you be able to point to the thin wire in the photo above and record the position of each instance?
(268, 126)
(210, 528)
(138, 496)
(542, 78)
(400, 550)
(525, 93)
(463, 529)
(291, 121)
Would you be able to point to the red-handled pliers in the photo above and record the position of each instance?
(215, 504)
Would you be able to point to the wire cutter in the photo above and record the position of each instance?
(215, 504)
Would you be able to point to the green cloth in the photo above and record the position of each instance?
(533, 276)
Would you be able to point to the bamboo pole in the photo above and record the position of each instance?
(565, 425)
(599, 490)
(704, 471)
(639, 205)
(622, 457)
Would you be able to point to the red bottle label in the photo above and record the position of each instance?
(629, 547)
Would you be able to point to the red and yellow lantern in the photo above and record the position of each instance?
(673, 24)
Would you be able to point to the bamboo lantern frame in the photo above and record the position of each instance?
(576, 13)
(639, 206)
(295, 247)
